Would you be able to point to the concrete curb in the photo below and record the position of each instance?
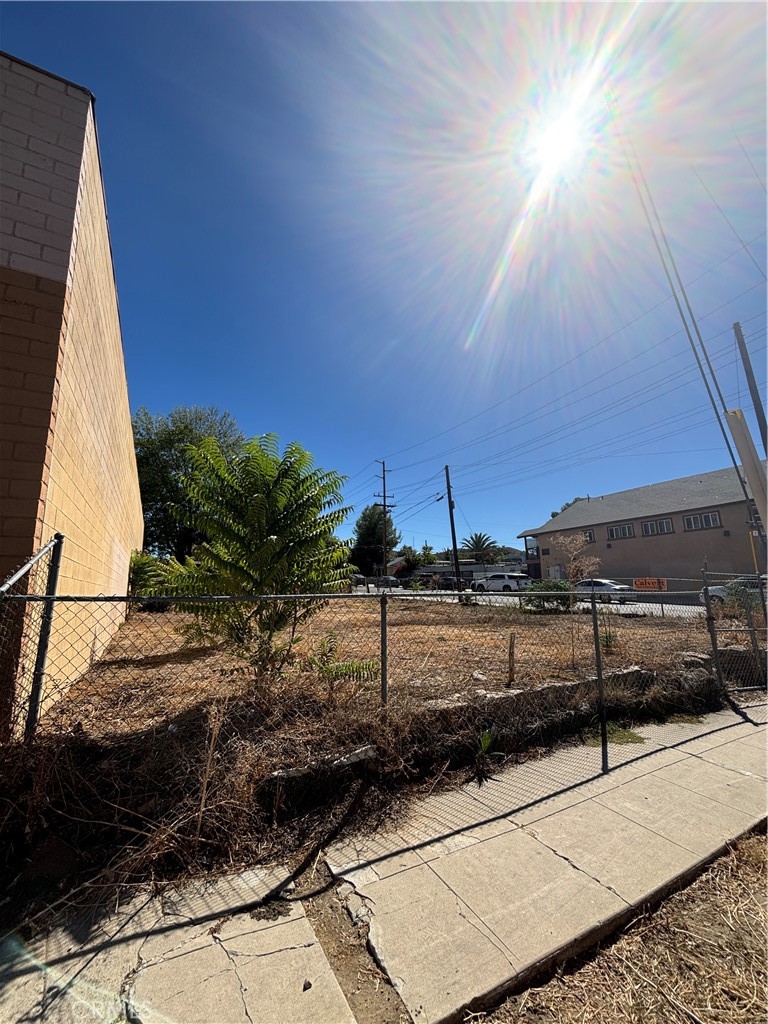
(593, 937)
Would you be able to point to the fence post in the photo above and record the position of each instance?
(600, 687)
(712, 631)
(44, 638)
(759, 663)
(384, 648)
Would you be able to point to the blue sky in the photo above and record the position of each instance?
(339, 222)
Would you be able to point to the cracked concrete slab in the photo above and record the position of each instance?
(436, 951)
(694, 822)
(545, 859)
(192, 954)
(625, 857)
(245, 970)
(532, 899)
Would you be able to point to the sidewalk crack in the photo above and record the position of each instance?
(230, 957)
(490, 935)
(576, 867)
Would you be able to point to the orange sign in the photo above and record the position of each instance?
(649, 583)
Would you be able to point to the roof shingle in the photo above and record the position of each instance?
(702, 490)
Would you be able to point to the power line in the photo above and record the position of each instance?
(568, 362)
(749, 159)
(598, 416)
(489, 435)
(727, 220)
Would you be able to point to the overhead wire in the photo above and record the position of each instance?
(727, 220)
(638, 175)
(594, 417)
(505, 428)
(749, 160)
(557, 403)
(633, 434)
(573, 359)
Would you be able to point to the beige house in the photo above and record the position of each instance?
(66, 444)
(666, 530)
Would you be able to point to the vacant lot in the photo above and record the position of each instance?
(149, 672)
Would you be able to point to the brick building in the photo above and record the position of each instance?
(66, 444)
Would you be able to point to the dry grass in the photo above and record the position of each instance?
(147, 675)
(163, 759)
(699, 959)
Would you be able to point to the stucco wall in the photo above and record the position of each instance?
(677, 556)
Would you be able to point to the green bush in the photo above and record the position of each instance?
(144, 574)
(739, 598)
(547, 596)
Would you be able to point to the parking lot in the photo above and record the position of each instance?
(675, 604)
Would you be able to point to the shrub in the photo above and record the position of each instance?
(547, 596)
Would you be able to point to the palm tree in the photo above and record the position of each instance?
(481, 545)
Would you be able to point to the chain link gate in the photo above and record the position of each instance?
(736, 612)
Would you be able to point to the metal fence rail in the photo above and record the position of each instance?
(26, 610)
(194, 725)
(173, 653)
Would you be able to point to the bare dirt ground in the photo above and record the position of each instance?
(148, 672)
(699, 959)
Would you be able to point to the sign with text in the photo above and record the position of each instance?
(649, 583)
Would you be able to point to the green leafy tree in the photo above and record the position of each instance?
(368, 547)
(427, 555)
(163, 459)
(411, 559)
(269, 523)
(482, 546)
(568, 504)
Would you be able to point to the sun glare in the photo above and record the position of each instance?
(559, 147)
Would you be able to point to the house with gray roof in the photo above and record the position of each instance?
(665, 530)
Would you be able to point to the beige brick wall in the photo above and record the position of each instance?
(68, 462)
(93, 493)
(42, 128)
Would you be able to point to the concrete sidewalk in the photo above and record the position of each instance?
(471, 894)
(479, 889)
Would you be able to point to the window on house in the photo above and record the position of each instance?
(621, 532)
(705, 521)
(653, 527)
(589, 536)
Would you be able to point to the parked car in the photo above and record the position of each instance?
(502, 583)
(740, 587)
(386, 582)
(605, 590)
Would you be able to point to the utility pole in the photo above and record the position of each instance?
(386, 507)
(456, 569)
(753, 391)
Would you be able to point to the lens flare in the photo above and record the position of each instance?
(559, 147)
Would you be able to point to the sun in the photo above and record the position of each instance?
(557, 148)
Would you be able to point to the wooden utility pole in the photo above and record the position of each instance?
(386, 509)
(757, 403)
(456, 570)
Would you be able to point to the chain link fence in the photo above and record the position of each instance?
(736, 618)
(171, 654)
(24, 625)
(182, 731)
